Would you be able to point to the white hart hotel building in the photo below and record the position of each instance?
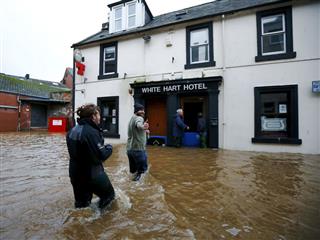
(251, 67)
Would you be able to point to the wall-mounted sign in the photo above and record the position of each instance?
(273, 124)
(316, 86)
(56, 122)
(185, 87)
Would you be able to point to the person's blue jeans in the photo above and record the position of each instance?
(137, 161)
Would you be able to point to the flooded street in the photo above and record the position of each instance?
(187, 194)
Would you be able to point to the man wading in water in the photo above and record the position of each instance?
(136, 144)
(87, 152)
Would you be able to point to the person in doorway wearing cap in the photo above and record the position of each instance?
(136, 144)
(178, 128)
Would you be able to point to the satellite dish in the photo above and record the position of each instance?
(77, 55)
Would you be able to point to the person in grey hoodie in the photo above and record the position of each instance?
(136, 144)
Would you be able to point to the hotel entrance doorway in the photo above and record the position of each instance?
(191, 107)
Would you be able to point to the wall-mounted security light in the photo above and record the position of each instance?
(146, 38)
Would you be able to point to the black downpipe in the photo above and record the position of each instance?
(73, 89)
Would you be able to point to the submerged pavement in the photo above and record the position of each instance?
(187, 193)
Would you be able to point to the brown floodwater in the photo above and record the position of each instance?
(187, 193)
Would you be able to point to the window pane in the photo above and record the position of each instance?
(195, 54)
(118, 24)
(109, 53)
(272, 24)
(273, 43)
(132, 21)
(199, 37)
(270, 102)
(109, 67)
(109, 117)
(132, 9)
(199, 54)
(118, 13)
(203, 53)
(274, 114)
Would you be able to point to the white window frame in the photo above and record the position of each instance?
(199, 45)
(108, 60)
(117, 19)
(135, 14)
(263, 20)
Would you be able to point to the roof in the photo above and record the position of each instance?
(30, 87)
(210, 9)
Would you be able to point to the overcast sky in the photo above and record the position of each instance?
(36, 35)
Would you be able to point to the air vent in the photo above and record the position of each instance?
(180, 14)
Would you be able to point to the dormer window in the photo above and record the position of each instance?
(128, 14)
(118, 18)
(132, 13)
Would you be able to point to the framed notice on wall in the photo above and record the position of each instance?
(282, 108)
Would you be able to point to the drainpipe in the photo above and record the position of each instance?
(223, 45)
(223, 75)
(73, 88)
(19, 113)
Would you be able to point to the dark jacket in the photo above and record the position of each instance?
(178, 126)
(201, 126)
(87, 151)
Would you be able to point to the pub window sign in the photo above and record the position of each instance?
(316, 86)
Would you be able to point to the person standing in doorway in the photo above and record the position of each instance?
(87, 153)
(136, 144)
(178, 128)
(202, 130)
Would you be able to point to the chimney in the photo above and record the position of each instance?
(105, 26)
(27, 76)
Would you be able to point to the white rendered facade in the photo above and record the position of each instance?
(163, 58)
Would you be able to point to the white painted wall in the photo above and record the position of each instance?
(243, 74)
(103, 88)
(153, 61)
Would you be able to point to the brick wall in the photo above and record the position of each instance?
(8, 112)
